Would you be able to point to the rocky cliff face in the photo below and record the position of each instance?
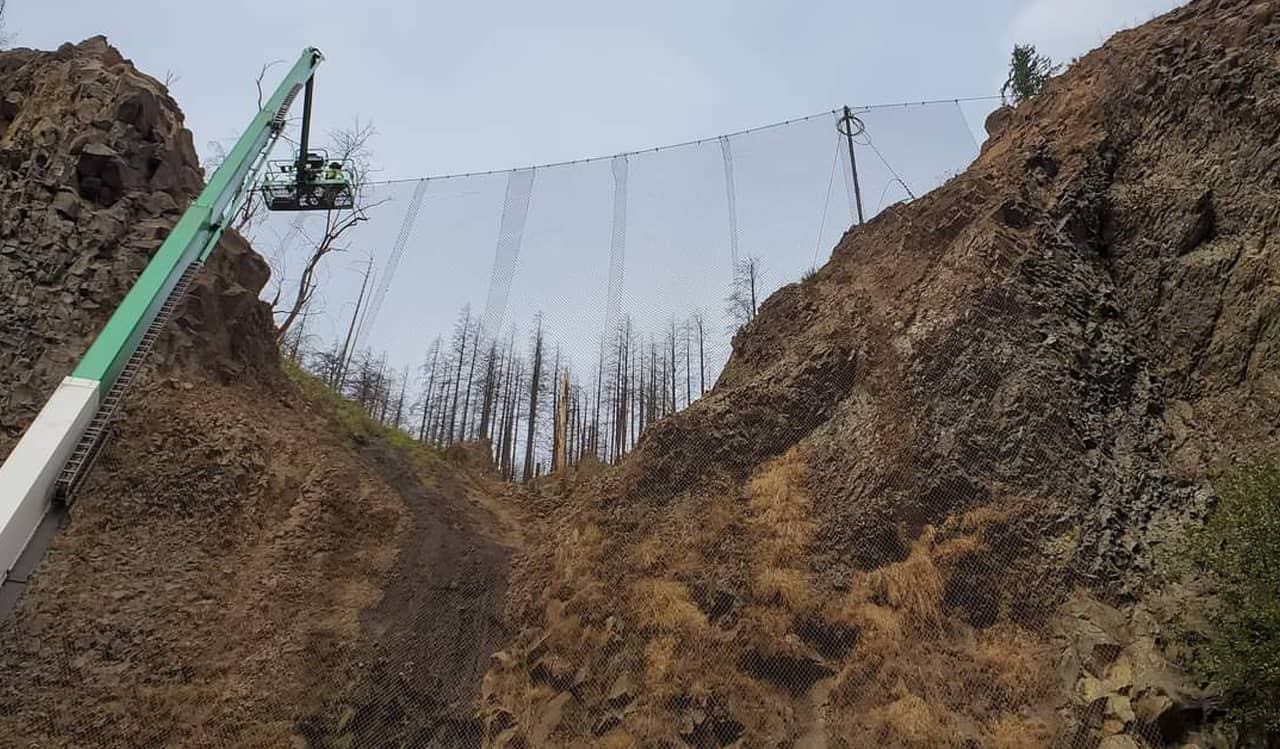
(95, 167)
(208, 589)
(931, 473)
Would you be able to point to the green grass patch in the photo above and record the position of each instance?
(1239, 550)
(357, 427)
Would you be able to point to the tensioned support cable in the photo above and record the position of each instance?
(850, 126)
(698, 142)
(850, 190)
(885, 161)
(826, 204)
(967, 129)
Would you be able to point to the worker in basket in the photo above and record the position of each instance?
(333, 181)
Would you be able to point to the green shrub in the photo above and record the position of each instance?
(1239, 548)
(356, 426)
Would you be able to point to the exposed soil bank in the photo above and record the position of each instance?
(438, 622)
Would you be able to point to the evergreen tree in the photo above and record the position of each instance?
(1028, 73)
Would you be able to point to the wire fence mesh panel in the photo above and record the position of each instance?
(575, 313)
(831, 519)
(675, 247)
(908, 150)
(672, 448)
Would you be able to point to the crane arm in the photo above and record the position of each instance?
(64, 437)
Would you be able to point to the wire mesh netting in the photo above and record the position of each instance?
(664, 253)
(557, 314)
(789, 562)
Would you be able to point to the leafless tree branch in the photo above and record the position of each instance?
(263, 74)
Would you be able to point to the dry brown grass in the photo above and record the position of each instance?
(616, 740)
(779, 529)
(676, 545)
(911, 721)
(1013, 659)
(578, 552)
(881, 630)
(647, 554)
(787, 587)
(766, 628)
(911, 589)
(981, 518)
(959, 548)
(1016, 732)
(659, 663)
(666, 606)
(779, 507)
(912, 664)
(899, 685)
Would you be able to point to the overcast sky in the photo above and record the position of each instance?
(464, 86)
(467, 86)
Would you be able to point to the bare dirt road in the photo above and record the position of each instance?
(439, 619)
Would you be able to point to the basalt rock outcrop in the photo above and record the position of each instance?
(95, 167)
(1005, 397)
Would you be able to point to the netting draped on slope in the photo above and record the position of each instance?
(625, 263)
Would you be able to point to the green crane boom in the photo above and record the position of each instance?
(196, 233)
(60, 445)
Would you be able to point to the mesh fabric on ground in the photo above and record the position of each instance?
(923, 502)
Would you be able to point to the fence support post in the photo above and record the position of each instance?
(850, 126)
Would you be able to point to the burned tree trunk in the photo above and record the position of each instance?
(535, 382)
(461, 342)
(426, 396)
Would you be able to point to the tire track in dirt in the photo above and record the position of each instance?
(439, 619)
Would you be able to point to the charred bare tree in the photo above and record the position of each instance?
(347, 343)
(294, 344)
(742, 301)
(535, 385)
(671, 341)
(471, 371)
(645, 405)
(383, 391)
(325, 364)
(688, 365)
(510, 430)
(398, 414)
(460, 336)
(367, 385)
(595, 418)
(488, 391)
(434, 355)
(621, 390)
(556, 445)
(700, 321)
(442, 405)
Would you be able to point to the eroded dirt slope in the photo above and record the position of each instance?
(252, 563)
(925, 496)
(237, 572)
